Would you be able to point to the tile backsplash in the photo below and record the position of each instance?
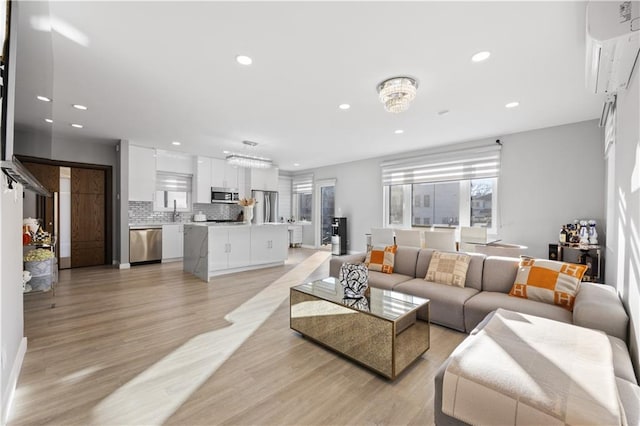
(141, 212)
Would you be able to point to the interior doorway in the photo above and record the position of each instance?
(78, 213)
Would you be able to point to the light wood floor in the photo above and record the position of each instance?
(110, 327)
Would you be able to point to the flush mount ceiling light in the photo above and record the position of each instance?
(481, 56)
(244, 60)
(246, 160)
(397, 93)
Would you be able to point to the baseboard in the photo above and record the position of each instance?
(124, 266)
(7, 397)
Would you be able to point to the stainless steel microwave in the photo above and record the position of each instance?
(223, 195)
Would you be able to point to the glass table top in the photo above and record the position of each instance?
(386, 304)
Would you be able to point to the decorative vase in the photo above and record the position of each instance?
(354, 278)
(248, 214)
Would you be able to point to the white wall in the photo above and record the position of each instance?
(623, 241)
(13, 344)
(549, 177)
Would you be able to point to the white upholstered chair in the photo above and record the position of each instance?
(382, 237)
(410, 237)
(441, 239)
(470, 236)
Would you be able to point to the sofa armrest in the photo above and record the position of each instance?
(336, 262)
(598, 306)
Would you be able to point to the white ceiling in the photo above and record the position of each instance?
(157, 72)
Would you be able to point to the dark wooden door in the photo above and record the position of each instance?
(87, 217)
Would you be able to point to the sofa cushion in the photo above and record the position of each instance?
(406, 258)
(598, 306)
(386, 281)
(630, 399)
(499, 273)
(381, 259)
(446, 307)
(548, 281)
(621, 362)
(476, 308)
(422, 264)
(448, 268)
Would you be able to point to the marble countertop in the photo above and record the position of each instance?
(234, 225)
(155, 224)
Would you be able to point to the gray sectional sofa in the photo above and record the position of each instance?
(488, 282)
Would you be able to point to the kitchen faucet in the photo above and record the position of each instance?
(176, 215)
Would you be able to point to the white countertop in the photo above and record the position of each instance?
(234, 225)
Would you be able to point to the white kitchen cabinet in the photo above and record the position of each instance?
(172, 242)
(229, 247)
(142, 173)
(264, 179)
(175, 162)
(223, 175)
(269, 243)
(203, 185)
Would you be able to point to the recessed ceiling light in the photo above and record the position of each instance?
(48, 120)
(77, 126)
(244, 60)
(225, 152)
(443, 112)
(80, 107)
(512, 104)
(481, 56)
(296, 164)
(399, 132)
(176, 143)
(43, 98)
(344, 106)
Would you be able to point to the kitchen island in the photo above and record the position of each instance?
(212, 249)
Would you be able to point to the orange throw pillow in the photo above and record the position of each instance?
(381, 259)
(548, 281)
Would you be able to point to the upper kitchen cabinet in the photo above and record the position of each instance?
(223, 175)
(264, 179)
(176, 162)
(142, 173)
(203, 179)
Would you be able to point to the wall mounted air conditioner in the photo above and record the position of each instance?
(613, 44)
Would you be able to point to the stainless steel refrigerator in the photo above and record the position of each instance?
(266, 209)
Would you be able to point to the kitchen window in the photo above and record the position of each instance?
(456, 188)
(173, 191)
(302, 188)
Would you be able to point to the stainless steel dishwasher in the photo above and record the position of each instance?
(145, 245)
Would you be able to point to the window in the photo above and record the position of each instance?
(302, 187)
(173, 191)
(456, 188)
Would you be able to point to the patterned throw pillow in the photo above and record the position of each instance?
(448, 268)
(381, 259)
(548, 281)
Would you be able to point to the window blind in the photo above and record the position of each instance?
(303, 184)
(471, 163)
(173, 182)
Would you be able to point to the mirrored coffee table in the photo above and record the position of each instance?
(385, 331)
